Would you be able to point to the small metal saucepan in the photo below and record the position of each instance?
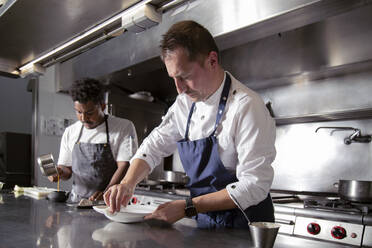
(354, 190)
(47, 166)
(174, 177)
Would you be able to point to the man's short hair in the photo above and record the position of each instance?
(87, 89)
(193, 37)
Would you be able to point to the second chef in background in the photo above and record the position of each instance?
(95, 150)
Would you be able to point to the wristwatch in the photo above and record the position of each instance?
(190, 209)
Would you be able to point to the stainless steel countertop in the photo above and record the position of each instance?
(26, 222)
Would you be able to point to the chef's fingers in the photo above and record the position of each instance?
(99, 196)
(96, 196)
(50, 178)
(147, 217)
(120, 197)
(113, 196)
(53, 178)
(59, 171)
(106, 197)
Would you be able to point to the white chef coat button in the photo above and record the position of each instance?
(234, 92)
(233, 186)
(144, 155)
(202, 117)
(224, 98)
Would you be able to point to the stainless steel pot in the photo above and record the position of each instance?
(174, 177)
(354, 190)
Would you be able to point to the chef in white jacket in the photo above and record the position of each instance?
(95, 151)
(223, 132)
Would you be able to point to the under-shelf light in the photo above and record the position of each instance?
(126, 12)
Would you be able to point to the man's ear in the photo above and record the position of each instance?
(213, 59)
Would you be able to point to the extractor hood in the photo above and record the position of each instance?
(32, 28)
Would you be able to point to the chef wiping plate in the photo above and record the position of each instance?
(129, 214)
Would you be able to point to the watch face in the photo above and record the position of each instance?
(190, 211)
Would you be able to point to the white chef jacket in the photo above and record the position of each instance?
(123, 139)
(245, 135)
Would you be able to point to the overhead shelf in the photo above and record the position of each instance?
(334, 116)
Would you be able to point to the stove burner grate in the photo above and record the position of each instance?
(166, 188)
(338, 205)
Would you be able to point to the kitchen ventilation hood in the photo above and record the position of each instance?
(31, 29)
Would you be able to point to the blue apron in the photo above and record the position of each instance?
(201, 162)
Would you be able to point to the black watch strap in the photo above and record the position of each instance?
(190, 209)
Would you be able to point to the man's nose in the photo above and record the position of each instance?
(84, 117)
(180, 86)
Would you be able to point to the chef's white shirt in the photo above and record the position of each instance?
(123, 139)
(245, 135)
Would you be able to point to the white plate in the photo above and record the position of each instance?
(129, 214)
(100, 209)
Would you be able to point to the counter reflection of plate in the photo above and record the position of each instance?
(100, 209)
(129, 214)
(119, 234)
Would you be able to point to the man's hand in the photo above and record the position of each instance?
(117, 195)
(98, 195)
(54, 178)
(169, 211)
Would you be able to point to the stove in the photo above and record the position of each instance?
(326, 218)
(339, 205)
(165, 189)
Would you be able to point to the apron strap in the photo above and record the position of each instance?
(221, 107)
(107, 131)
(223, 100)
(188, 121)
(81, 132)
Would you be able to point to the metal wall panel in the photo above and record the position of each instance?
(323, 67)
(233, 23)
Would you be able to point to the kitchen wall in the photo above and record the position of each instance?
(51, 106)
(315, 75)
(16, 105)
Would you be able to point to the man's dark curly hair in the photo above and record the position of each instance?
(87, 89)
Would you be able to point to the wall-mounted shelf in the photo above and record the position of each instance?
(334, 116)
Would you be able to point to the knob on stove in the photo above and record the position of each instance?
(313, 228)
(338, 232)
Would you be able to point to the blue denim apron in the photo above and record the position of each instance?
(201, 162)
(93, 166)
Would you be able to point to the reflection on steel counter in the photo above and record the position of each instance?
(73, 227)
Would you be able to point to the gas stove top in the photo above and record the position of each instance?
(338, 205)
(325, 218)
(166, 189)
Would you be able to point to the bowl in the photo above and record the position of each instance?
(58, 196)
(129, 214)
